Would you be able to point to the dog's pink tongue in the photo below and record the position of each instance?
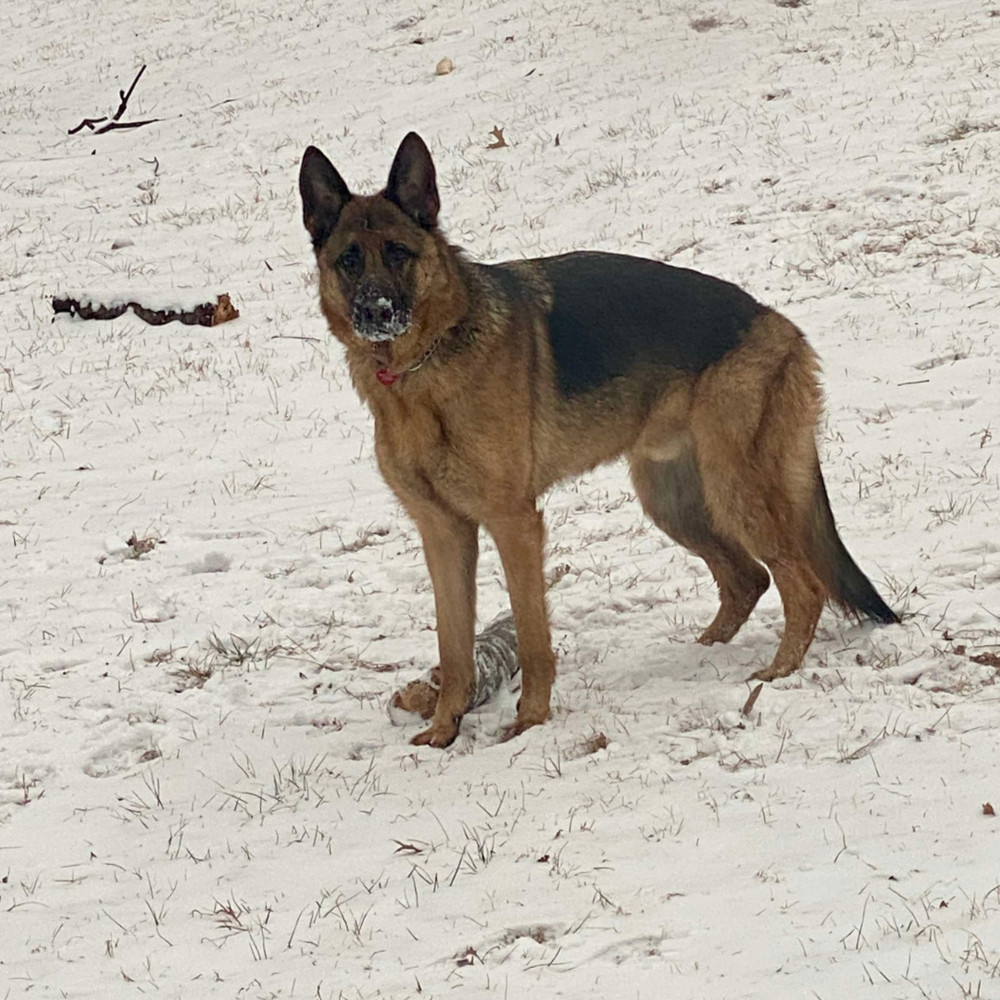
(385, 376)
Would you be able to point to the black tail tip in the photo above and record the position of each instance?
(874, 608)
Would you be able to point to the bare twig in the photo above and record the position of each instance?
(751, 701)
(115, 122)
(111, 126)
(87, 123)
(125, 96)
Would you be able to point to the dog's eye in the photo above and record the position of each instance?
(396, 254)
(351, 261)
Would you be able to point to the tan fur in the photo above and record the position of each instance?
(476, 440)
(753, 420)
(476, 428)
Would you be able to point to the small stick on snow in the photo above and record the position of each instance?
(125, 96)
(116, 122)
(111, 126)
(751, 701)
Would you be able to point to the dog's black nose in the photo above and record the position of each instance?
(373, 314)
(376, 317)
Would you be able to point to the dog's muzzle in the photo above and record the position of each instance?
(377, 318)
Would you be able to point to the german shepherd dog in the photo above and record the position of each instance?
(490, 383)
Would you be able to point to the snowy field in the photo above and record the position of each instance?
(201, 793)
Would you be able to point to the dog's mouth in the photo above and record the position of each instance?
(379, 320)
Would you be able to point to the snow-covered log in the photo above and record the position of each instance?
(153, 310)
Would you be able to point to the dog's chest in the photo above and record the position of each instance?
(443, 454)
(410, 438)
(419, 453)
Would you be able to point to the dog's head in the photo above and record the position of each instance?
(384, 269)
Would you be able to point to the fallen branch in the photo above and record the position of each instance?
(111, 126)
(115, 122)
(200, 314)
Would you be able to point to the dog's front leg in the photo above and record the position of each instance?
(520, 538)
(451, 548)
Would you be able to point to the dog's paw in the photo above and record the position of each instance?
(773, 672)
(510, 732)
(439, 735)
(517, 727)
(720, 631)
(714, 634)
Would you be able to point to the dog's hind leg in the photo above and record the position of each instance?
(670, 492)
(802, 597)
(753, 417)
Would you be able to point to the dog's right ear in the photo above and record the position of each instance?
(324, 195)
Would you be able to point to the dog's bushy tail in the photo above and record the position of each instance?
(846, 584)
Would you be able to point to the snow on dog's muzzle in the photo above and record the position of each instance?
(377, 318)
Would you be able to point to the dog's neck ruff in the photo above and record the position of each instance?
(388, 377)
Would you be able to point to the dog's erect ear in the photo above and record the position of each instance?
(324, 195)
(412, 182)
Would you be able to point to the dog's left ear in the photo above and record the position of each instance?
(413, 182)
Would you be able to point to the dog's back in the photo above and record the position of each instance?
(614, 316)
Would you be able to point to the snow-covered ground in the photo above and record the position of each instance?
(201, 794)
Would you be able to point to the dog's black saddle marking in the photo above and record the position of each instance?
(612, 313)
